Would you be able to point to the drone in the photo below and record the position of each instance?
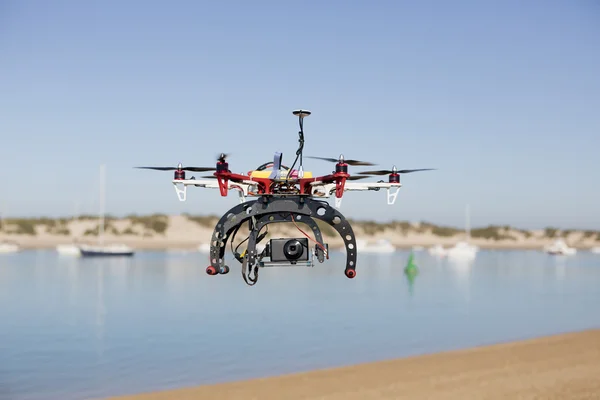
(283, 194)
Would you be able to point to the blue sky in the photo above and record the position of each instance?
(503, 97)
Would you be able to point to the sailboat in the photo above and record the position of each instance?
(560, 248)
(464, 250)
(102, 250)
(7, 246)
(379, 246)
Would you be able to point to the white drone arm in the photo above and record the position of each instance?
(328, 189)
(211, 184)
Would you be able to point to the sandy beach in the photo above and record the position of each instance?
(185, 232)
(565, 366)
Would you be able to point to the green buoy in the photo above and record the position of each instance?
(411, 269)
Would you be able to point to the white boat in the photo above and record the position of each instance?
(102, 250)
(9, 247)
(380, 246)
(68, 249)
(595, 250)
(560, 248)
(438, 250)
(204, 248)
(464, 250)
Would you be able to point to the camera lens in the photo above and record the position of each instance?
(292, 249)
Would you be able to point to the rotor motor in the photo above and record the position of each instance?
(222, 166)
(339, 167)
(179, 174)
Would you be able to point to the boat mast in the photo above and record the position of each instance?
(101, 228)
(467, 222)
(74, 219)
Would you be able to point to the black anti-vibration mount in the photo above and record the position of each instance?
(272, 209)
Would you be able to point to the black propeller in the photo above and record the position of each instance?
(180, 168)
(394, 171)
(342, 160)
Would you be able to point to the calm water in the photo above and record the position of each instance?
(81, 328)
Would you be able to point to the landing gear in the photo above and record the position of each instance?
(211, 270)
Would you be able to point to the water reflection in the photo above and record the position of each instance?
(560, 267)
(100, 311)
(462, 268)
(153, 320)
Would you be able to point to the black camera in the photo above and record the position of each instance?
(288, 250)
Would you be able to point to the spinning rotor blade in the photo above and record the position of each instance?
(389, 171)
(341, 159)
(193, 169)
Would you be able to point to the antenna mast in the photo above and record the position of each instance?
(301, 114)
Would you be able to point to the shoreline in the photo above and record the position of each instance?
(165, 245)
(563, 366)
(160, 244)
(189, 232)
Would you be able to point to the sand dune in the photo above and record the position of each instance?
(556, 367)
(187, 232)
